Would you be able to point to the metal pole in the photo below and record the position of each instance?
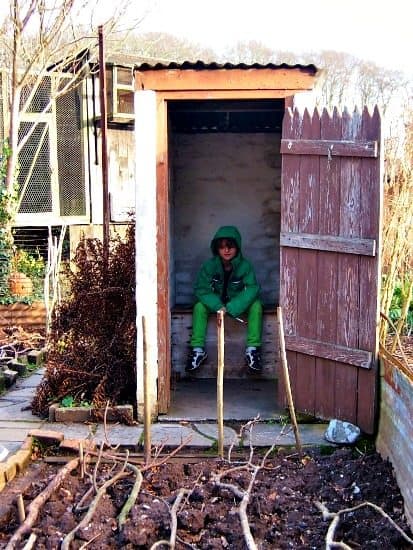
(287, 381)
(220, 382)
(103, 128)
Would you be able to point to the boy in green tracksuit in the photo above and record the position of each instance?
(226, 282)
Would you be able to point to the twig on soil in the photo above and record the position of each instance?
(34, 507)
(244, 495)
(335, 517)
(30, 542)
(92, 508)
(174, 520)
(132, 497)
(86, 544)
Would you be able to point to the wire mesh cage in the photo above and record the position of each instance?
(51, 160)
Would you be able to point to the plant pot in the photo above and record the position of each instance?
(20, 284)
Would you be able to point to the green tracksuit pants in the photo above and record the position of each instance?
(200, 315)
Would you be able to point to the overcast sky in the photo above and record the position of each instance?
(370, 29)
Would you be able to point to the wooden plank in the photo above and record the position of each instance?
(335, 352)
(162, 214)
(329, 148)
(225, 79)
(327, 268)
(289, 257)
(371, 199)
(332, 243)
(307, 272)
(226, 94)
(348, 274)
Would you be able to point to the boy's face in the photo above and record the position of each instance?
(227, 249)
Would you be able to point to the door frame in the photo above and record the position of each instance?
(163, 220)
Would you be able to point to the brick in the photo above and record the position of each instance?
(36, 357)
(2, 477)
(10, 469)
(10, 377)
(27, 444)
(52, 412)
(22, 459)
(118, 413)
(74, 444)
(72, 414)
(49, 437)
(20, 368)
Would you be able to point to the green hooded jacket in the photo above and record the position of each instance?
(243, 288)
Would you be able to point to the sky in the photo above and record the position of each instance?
(370, 29)
(375, 30)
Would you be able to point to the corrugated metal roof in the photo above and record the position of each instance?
(201, 65)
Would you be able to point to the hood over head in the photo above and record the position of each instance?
(226, 232)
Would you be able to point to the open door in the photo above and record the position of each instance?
(330, 226)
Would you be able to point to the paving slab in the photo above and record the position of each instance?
(15, 409)
(210, 431)
(14, 434)
(263, 434)
(21, 424)
(71, 430)
(173, 435)
(128, 436)
(31, 381)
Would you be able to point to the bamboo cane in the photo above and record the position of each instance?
(287, 381)
(220, 382)
(146, 399)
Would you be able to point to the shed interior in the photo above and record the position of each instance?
(224, 169)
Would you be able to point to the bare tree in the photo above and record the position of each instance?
(43, 40)
(164, 47)
(249, 52)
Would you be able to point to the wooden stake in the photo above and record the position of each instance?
(146, 399)
(220, 382)
(20, 508)
(82, 460)
(287, 381)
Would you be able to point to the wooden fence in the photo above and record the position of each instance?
(28, 316)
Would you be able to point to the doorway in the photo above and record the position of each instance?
(224, 169)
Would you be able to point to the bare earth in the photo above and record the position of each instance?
(281, 512)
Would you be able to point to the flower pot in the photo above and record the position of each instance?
(20, 284)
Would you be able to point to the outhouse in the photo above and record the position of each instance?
(224, 145)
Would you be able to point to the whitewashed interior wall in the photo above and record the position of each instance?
(226, 179)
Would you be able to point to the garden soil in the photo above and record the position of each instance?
(282, 511)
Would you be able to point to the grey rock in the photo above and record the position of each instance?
(343, 433)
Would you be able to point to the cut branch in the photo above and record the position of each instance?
(35, 506)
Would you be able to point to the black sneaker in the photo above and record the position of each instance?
(195, 359)
(253, 360)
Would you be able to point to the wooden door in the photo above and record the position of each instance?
(330, 226)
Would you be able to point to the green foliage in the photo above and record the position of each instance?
(69, 401)
(32, 266)
(399, 294)
(8, 202)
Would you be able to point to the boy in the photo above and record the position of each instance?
(226, 282)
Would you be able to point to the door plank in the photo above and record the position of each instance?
(329, 148)
(307, 300)
(332, 243)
